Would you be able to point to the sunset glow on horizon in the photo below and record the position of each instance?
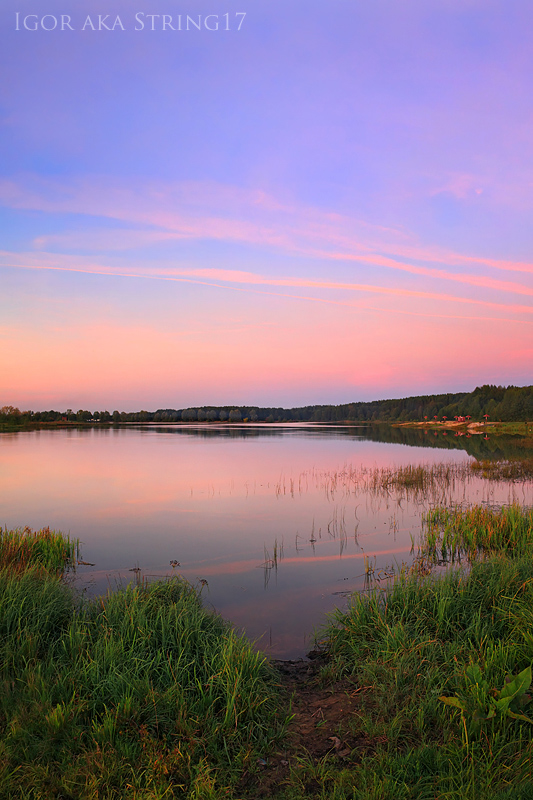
(316, 204)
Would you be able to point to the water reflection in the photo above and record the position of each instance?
(479, 445)
(273, 524)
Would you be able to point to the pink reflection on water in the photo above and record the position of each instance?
(220, 504)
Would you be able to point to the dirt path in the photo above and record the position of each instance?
(324, 721)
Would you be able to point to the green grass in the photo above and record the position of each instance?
(512, 428)
(430, 659)
(22, 547)
(490, 426)
(140, 694)
(413, 644)
(450, 534)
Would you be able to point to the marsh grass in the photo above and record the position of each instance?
(412, 480)
(23, 547)
(142, 693)
(456, 533)
(517, 469)
(430, 482)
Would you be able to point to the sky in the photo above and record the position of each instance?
(263, 202)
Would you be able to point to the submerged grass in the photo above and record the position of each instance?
(427, 483)
(516, 469)
(420, 482)
(414, 480)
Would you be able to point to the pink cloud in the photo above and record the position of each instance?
(237, 278)
(471, 280)
(206, 210)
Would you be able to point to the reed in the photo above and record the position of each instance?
(21, 548)
(271, 560)
(451, 534)
(518, 469)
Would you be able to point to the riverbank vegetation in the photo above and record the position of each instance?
(495, 403)
(421, 687)
(141, 694)
(442, 668)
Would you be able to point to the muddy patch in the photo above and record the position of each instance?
(323, 725)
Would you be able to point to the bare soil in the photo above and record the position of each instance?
(471, 427)
(324, 724)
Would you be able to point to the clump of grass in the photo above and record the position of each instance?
(517, 469)
(21, 548)
(421, 476)
(450, 534)
(142, 693)
(35, 608)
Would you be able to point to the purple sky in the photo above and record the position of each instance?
(331, 203)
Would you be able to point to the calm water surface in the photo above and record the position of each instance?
(271, 518)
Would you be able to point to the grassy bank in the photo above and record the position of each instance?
(431, 661)
(442, 669)
(422, 691)
(141, 694)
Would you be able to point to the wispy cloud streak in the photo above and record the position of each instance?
(197, 210)
(233, 279)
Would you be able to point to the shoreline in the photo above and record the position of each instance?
(148, 690)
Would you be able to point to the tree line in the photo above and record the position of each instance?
(505, 404)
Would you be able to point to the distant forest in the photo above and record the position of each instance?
(505, 404)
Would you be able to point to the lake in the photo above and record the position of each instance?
(275, 523)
